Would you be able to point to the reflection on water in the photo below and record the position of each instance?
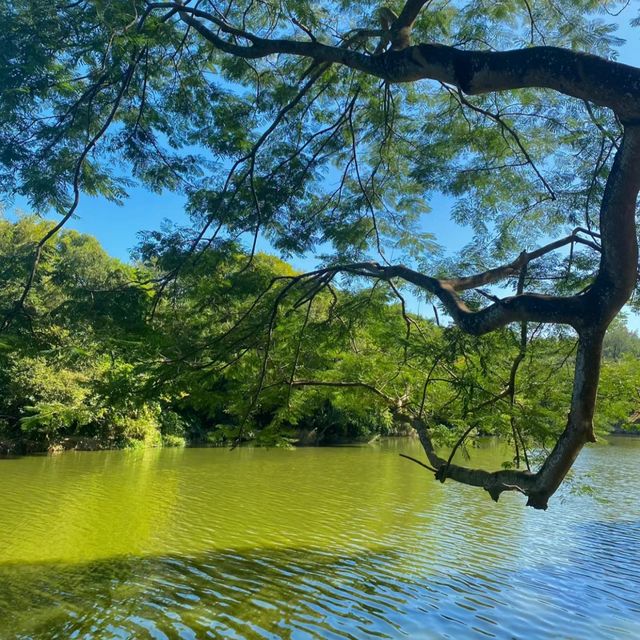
(350, 542)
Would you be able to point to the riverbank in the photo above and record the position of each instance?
(303, 438)
(306, 439)
(78, 443)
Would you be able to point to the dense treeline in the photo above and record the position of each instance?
(108, 354)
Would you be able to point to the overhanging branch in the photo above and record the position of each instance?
(579, 75)
(521, 307)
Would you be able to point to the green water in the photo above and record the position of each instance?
(351, 542)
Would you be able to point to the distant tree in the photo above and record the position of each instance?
(620, 341)
(329, 124)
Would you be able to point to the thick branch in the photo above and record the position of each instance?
(494, 482)
(410, 12)
(403, 25)
(579, 429)
(529, 306)
(580, 75)
(571, 310)
(618, 266)
(513, 268)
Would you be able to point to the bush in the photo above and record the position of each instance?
(173, 441)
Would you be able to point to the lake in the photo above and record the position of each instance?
(345, 542)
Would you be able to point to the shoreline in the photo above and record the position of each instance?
(18, 449)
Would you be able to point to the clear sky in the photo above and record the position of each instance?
(116, 227)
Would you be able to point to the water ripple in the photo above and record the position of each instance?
(345, 543)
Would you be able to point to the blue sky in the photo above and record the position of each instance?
(116, 227)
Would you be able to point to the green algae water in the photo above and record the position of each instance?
(350, 542)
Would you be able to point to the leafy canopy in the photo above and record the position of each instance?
(99, 95)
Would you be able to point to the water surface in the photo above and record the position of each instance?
(351, 542)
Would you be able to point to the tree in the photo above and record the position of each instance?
(85, 367)
(526, 118)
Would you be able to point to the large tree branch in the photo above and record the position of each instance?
(539, 486)
(534, 307)
(618, 265)
(527, 306)
(513, 268)
(494, 482)
(409, 13)
(580, 75)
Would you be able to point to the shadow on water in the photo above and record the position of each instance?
(232, 594)
(320, 593)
